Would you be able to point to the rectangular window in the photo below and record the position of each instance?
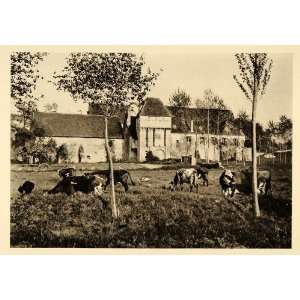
(153, 136)
(147, 137)
(165, 137)
(188, 139)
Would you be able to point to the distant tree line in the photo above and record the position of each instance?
(210, 100)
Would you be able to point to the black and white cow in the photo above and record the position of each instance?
(228, 183)
(264, 185)
(189, 176)
(120, 176)
(85, 184)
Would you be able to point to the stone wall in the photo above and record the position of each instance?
(94, 148)
(186, 144)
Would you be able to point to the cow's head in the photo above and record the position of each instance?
(20, 189)
(261, 189)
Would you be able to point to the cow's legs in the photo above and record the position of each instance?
(125, 184)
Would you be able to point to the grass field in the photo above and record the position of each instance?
(150, 216)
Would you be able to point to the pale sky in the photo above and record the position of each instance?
(194, 72)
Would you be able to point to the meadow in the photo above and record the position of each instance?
(151, 216)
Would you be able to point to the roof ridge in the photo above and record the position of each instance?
(72, 114)
(195, 108)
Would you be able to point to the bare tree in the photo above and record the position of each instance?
(211, 101)
(112, 81)
(255, 73)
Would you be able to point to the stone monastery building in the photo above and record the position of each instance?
(169, 132)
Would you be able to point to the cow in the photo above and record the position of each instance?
(202, 174)
(26, 188)
(264, 185)
(182, 176)
(216, 165)
(120, 176)
(66, 172)
(84, 184)
(227, 183)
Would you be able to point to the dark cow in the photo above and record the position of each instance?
(264, 185)
(182, 176)
(84, 184)
(66, 172)
(216, 165)
(227, 182)
(202, 174)
(26, 188)
(120, 176)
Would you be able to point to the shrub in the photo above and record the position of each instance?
(150, 157)
(39, 148)
(63, 152)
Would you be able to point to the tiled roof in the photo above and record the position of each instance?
(76, 125)
(154, 107)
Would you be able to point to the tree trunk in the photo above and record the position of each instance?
(126, 137)
(254, 158)
(196, 144)
(218, 129)
(112, 183)
(207, 158)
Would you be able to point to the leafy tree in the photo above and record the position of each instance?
(271, 127)
(284, 124)
(24, 77)
(255, 73)
(22, 136)
(180, 99)
(243, 122)
(115, 82)
(40, 148)
(243, 116)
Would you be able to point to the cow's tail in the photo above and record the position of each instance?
(132, 182)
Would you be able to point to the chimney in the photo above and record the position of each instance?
(192, 126)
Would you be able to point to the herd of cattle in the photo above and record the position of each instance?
(97, 181)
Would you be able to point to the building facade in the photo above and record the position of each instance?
(168, 132)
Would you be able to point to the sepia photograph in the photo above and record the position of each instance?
(163, 148)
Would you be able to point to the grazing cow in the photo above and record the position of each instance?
(216, 165)
(182, 176)
(66, 172)
(202, 174)
(120, 176)
(227, 182)
(84, 184)
(26, 188)
(263, 181)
